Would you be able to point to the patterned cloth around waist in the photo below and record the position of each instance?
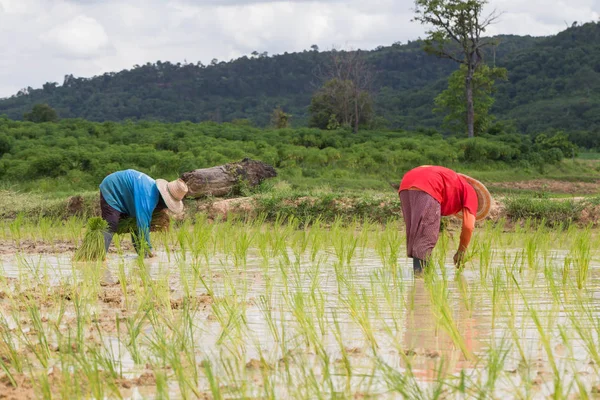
(422, 216)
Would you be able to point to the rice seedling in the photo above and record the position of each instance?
(389, 245)
(213, 381)
(92, 247)
(580, 256)
(486, 255)
(40, 347)
(15, 228)
(134, 325)
(324, 310)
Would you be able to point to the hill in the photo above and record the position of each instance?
(553, 84)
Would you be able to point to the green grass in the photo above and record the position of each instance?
(551, 212)
(35, 204)
(566, 170)
(588, 155)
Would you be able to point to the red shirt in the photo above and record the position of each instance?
(446, 186)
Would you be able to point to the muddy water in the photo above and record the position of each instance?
(405, 323)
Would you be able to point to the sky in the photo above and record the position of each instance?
(44, 40)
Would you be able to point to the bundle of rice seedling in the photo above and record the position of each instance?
(92, 248)
(161, 221)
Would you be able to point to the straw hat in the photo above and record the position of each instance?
(484, 199)
(172, 193)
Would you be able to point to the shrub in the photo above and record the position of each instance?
(551, 212)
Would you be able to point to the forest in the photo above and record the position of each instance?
(552, 85)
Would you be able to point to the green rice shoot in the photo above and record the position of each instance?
(92, 248)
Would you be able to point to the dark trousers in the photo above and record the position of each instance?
(422, 216)
(112, 217)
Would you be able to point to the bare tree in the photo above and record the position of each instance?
(348, 79)
(456, 34)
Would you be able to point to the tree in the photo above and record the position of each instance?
(336, 104)
(457, 26)
(4, 145)
(280, 119)
(345, 94)
(41, 113)
(453, 102)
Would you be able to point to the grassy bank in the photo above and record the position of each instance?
(284, 203)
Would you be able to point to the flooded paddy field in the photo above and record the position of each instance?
(280, 310)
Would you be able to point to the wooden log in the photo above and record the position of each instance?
(228, 179)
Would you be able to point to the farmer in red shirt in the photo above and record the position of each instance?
(427, 193)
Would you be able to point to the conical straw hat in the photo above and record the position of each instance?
(172, 193)
(484, 198)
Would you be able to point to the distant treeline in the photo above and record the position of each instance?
(553, 83)
(78, 154)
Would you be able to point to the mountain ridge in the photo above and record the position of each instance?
(552, 85)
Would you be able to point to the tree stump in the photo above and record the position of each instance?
(227, 179)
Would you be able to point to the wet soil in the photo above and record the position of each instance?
(27, 246)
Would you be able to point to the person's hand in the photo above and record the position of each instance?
(459, 258)
(147, 254)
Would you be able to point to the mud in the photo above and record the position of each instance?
(22, 389)
(412, 317)
(27, 246)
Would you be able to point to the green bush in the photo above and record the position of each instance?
(31, 152)
(551, 212)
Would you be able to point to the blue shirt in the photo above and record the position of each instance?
(133, 193)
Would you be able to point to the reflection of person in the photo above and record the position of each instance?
(134, 194)
(427, 339)
(427, 193)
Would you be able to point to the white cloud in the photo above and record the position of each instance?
(80, 37)
(43, 40)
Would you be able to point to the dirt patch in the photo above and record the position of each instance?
(255, 364)
(223, 208)
(8, 247)
(589, 215)
(75, 205)
(202, 301)
(355, 351)
(23, 387)
(497, 211)
(21, 390)
(427, 353)
(111, 295)
(145, 379)
(31, 246)
(41, 296)
(552, 186)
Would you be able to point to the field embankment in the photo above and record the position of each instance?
(550, 202)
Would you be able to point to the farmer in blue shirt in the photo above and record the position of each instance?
(131, 193)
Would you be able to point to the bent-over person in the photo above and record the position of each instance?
(131, 193)
(429, 192)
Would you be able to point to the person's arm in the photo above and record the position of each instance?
(468, 225)
(143, 218)
(145, 197)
